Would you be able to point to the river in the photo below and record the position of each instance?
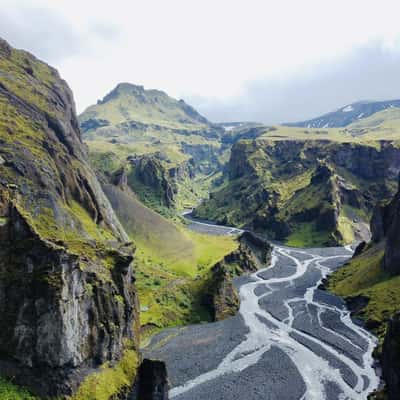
(290, 339)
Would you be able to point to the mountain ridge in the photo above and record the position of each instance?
(347, 114)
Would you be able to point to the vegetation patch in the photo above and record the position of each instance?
(307, 235)
(9, 391)
(110, 381)
(364, 276)
(171, 290)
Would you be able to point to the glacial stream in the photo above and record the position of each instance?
(290, 340)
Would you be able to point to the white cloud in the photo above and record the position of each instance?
(208, 48)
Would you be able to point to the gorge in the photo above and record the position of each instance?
(110, 291)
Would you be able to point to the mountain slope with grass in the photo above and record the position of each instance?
(132, 125)
(173, 264)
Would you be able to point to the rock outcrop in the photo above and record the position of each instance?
(253, 253)
(68, 303)
(391, 358)
(152, 381)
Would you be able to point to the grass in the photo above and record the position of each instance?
(110, 382)
(152, 107)
(170, 290)
(306, 235)
(364, 276)
(171, 262)
(9, 391)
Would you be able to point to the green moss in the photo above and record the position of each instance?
(87, 223)
(9, 391)
(109, 382)
(32, 87)
(119, 299)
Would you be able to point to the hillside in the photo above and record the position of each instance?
(172, 263)
(348, 114)
(310, 186)
(69, 312)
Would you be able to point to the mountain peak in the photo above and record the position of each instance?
(129, 102)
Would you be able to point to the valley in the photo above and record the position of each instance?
(147, 252)
(290, 339)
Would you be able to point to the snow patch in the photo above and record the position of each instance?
(347, 109)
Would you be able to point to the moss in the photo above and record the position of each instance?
(110, 380)
(119, 299)
(32, 87)
(9, 391)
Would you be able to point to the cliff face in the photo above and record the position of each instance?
(252, 254)
(371, 283)
(67, 300)
(319, 191)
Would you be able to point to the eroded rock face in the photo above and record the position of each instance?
(306, 188)
(152, 381)
(391, 358)
(68, 303)
(59, 313)
(392, 230)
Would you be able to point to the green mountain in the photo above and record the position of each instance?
(133, 127)
(310, 186)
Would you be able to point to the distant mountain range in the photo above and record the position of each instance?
(348, 114)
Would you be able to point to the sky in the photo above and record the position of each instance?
(233, 60)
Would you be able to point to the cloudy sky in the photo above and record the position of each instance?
(257, 60)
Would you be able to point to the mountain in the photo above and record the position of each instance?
(131, 127)
(348, 114)
(128, 102)
(69, 309)
(308, 186)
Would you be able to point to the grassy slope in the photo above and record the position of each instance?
(364, 276)
(171, 262)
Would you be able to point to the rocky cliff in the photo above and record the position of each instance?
(221, 296)
(305, 191)
(68, 304)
